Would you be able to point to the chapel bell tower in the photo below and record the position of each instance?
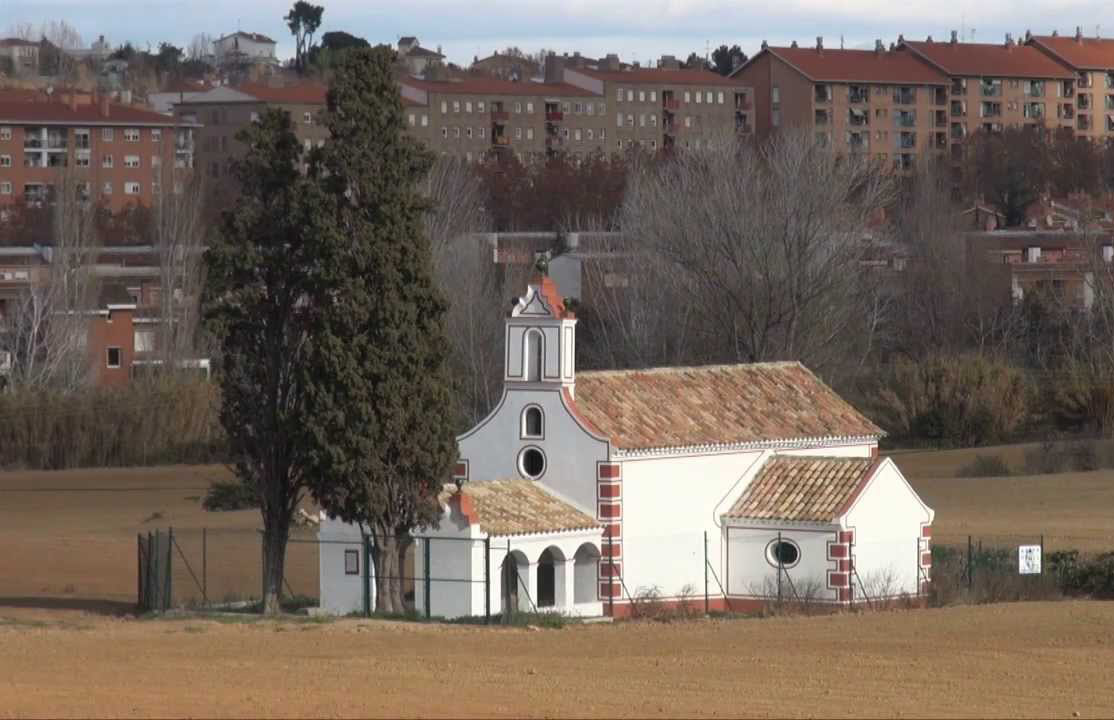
(541, 339)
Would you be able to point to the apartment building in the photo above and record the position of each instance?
(467, 118)
(1092, 62)
(666, 107)
(244, 47)
(115, 154)
(21, 56)
(881, 103)
(223, 111)
(992, 86)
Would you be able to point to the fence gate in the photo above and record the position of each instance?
(154, 558)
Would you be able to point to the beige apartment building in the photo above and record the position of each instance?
(882, 103)
(992, 86)
(1092, 62)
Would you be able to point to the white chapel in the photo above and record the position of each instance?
(581, 492)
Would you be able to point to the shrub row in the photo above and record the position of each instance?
(154, 421)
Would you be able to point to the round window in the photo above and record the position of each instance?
(531, 463)
(783, 553)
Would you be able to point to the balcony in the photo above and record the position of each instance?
(670, 104)
(553, 142)
(905, 119)
(858, 94)
(958, 131)
(940, 118)
(742, 102)
(940, 141)
(907, 141)
(500, 117)
(1066, 111)
(905, 96)
(1083, 102)
(940, 96)
(555, 116)
(500, 139)
(1083, 122)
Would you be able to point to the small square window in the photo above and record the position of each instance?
(425, 120)
(106, 134)
(5, 133)
(156, 134)
(468, 106)
(307, 118)
(113, 357)
(529, 107)
(351, 562)
(5, 161)
(107, 188)
(5, 188)
(131, 134)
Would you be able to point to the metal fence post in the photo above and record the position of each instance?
(778, 547)
(1042, 554)
(970, 562)
(169, 568)
(705, 572)
(428, 604)
(139, 570)
(204, 565)
(487, 580)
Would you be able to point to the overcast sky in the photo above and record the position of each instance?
(639, 30)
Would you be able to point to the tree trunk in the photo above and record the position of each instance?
(386, 573)
(274, 562)
(402, 572)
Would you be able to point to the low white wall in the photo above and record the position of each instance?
(750, 574)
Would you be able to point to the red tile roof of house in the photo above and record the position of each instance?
(60, 113)
(715, 405)
(986, 60)
(301, 94)
(254, 37)
(515, 507)
(804, 489)
(1083, 53)
(859, 66)
(657, 76)
(493, 86)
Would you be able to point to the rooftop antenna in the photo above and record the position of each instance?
(841, 41)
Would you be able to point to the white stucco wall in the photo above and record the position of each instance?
(887, 519)
(750, 573)
(670, 502)
(340, 594)
(571, 452)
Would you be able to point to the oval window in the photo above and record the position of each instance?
(531, 463)
(783, 553)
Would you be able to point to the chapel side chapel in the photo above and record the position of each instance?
(580, 491)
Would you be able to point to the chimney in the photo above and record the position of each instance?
(955, 37)
(1079, 33)
(611, 63)
(1028, 36)
(900, 39)
(928, 40)
(104, 107)
(669, 62)
(765, 45)
(793, 44)
(879, 48)
(554, 68)
(820, 44)
(1055, 33)
(1009, 40)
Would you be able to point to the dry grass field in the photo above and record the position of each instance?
(1018, 660)
(1072, 510)
(67, 580)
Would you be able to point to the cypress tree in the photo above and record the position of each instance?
(379, 383)
(259, 270)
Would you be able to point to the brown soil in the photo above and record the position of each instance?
(1019, 660)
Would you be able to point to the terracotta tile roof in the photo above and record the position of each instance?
(859, 66)
(715, 405)
(57, 113)
(656, 76)
(301, 94)
(17, 42)
(1082, 53)
(420, 51)
(986, 60)
(515, 507)
(804, 489)
(495, 86)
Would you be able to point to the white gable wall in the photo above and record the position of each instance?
(341, 594)
(750, 573)
(887, 519)
(571, 453)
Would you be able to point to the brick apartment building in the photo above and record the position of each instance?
(115, 154)
(922, 97)
(883, 103)
(223, 111)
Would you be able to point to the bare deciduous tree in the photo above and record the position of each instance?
(178, 236)
(47, 326)
(200, 47)
(766, 241)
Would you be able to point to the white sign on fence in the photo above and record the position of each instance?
(1029, 559)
